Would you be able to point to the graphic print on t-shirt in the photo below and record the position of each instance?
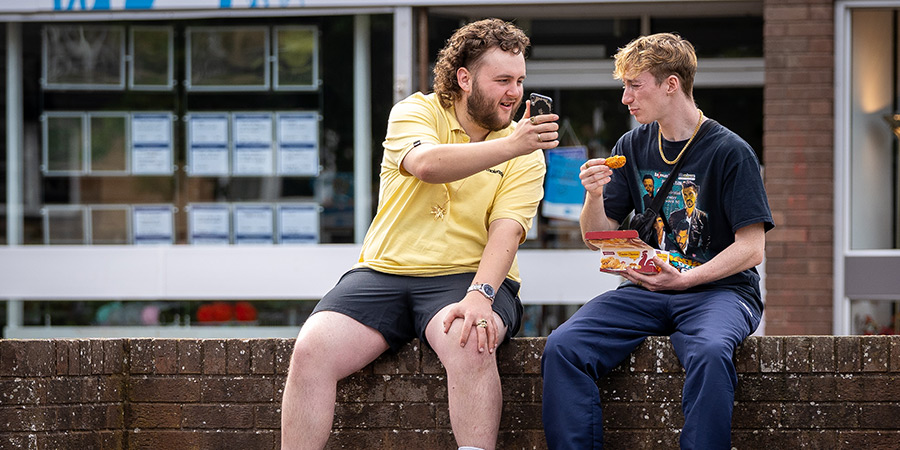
(688, 239)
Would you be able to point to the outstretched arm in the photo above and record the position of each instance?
(444, 163)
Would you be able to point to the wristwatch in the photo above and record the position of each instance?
(486, 290)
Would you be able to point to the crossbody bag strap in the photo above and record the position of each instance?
(663, 191)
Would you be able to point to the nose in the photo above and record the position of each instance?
(627, 98)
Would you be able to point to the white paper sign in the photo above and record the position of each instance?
(153, 225)
(298, 144)
(209, 224)
(151, 144)
(253, 224)
(252, 140)
(298, 223)
(208, 144)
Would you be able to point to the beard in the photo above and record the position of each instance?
(483, 111)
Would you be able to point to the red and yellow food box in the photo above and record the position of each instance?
(624, 249)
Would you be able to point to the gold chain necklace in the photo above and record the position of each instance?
(659, 141)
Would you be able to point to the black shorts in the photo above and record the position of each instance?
(400, 307)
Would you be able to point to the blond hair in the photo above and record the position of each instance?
(661, 54)
(465, 49)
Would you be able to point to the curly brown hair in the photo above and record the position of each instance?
(465, 49)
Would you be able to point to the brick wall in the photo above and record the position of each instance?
(816, 392)
(798, 151)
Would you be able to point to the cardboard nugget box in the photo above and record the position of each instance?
(624, 249)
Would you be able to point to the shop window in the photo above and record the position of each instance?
(225, 59)
(63, 144)
(152, 60)
(296, 56)
(84, 57)
(108, 144)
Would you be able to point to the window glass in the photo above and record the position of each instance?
(108, 143)
(152, 58)
(64, 144)
(84, 56)
(717, 37)
(230, 58)
(64, 225)
(297, 54)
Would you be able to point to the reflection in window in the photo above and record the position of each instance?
(108, 143)
(151, 53)
(64, 141)
(297, 55)
(109, 225)
(64, 225)
(84, 57)
(228, 58)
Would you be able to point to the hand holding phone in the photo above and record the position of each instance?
(540, 104)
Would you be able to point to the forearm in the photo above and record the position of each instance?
(445, 163)
(593, 217)
(504, 236)
(746, 252)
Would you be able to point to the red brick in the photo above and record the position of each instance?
(190, 356)
(240, 390)
(153, 415)
(362, 388)
(821, 353)
(231, 416)
(283, 350)
(238, 356)
(875, 353)
(24, 358)
(847, 354)
(821, 415)
(113, 356)
(268, 416)
(367, 415)
(215, 359)
(166, 390)
(895, 354)
(262, 356)
(405, 388)
(163, 439)
(28, 418)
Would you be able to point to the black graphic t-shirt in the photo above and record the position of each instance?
(718, 191)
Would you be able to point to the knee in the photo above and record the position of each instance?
(714, 352)
(305, 358)
(558, 347)
(468, 359)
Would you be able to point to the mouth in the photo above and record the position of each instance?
(508, 105)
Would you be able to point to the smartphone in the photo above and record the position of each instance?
(541, 104)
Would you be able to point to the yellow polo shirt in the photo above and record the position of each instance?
(424, 229)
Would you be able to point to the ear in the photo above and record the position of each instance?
(464, 79)
(673, 84)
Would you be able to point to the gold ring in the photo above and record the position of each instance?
(540, 139)
(640, 283)
(532, 121)
(481, 323)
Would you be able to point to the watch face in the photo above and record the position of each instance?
(488, 290)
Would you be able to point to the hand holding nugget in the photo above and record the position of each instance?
(595, 173)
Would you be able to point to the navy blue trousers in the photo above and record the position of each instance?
(704, 328)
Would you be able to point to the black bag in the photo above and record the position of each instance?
(645, 222)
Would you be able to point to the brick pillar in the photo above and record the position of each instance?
(798, 151)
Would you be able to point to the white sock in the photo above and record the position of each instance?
(470, 448)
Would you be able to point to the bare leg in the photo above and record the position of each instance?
(473, 383)
(330, 346)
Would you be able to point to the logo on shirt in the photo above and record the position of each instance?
(498, 172)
